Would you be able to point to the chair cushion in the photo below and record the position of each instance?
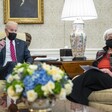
(21, 36)
(103, 96)
(100, 106)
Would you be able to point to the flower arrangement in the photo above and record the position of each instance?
(37, 81)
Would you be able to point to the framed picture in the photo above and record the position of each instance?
(24, 11)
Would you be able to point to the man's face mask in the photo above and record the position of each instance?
(12, 36)
(109, 43)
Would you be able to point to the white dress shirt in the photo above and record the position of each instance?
(8, 52)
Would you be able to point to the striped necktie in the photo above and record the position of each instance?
(12, 50)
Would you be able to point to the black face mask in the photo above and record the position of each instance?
(109, 43)
(12, 36)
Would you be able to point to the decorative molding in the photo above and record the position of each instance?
(90, 53)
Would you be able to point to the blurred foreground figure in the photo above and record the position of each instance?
(12, 50)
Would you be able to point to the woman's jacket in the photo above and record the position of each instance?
(99, 55)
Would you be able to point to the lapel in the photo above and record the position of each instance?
(4, 51)
(17, 43)
(100, 54)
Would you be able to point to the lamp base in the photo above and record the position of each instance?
(79, 58)
(78, 40)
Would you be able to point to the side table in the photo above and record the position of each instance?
(73, 68)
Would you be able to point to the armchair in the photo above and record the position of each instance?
(101, 100)
(23, 36)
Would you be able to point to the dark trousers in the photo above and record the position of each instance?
(92, 80)
(7, 69)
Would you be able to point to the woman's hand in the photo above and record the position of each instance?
(105, 70)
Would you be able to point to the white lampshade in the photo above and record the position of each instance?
(74, 9)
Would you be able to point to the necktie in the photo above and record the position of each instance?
(12, 50)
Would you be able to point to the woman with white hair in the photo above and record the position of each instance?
(93, 79)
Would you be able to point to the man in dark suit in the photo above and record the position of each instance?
(9, 58)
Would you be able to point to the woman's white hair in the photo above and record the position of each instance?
(107, 34)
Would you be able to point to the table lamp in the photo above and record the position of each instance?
(77, 11)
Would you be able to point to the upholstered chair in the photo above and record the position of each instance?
(101, 100)
(21, 36)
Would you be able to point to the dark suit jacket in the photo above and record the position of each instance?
(99, 55)
(22, 55)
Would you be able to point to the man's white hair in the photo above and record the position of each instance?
(107, 33)
(10, 23)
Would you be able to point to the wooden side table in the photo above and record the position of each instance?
(73, 68)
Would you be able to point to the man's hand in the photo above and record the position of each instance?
(2, 44)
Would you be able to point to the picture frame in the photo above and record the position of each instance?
(24, 11)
